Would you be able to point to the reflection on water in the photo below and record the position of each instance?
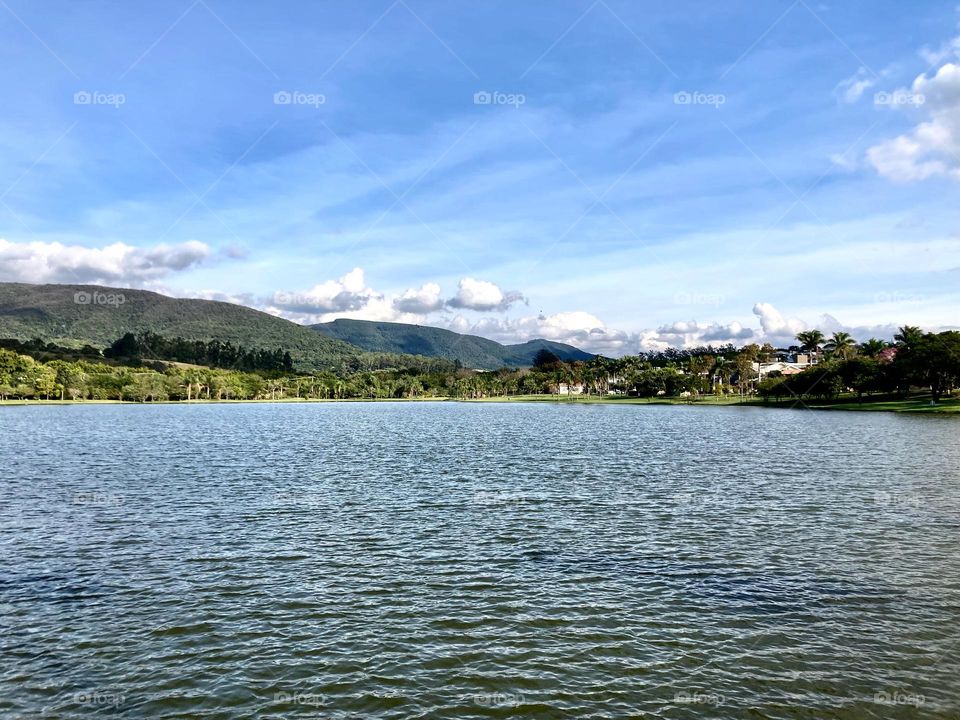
(459, 560)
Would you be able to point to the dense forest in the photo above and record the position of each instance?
(150, 346)
(148, 368)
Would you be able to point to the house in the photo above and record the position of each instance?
(784, 368)
(794, 355)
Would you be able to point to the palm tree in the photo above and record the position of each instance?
(841, 345)
(872, 347)
(810, 339)
(908, 335)
(722, 369)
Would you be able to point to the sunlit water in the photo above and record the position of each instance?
(477, 560)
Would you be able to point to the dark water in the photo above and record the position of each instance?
(450, 560)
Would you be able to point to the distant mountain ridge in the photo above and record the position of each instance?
(96, 315)
(471, 350)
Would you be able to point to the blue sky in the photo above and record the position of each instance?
(618, 175)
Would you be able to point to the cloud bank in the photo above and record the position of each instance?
(119, 263)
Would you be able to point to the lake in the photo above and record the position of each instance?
(458, 560)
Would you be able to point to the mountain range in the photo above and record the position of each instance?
(471, 350)
(76, 315)
(96, 315)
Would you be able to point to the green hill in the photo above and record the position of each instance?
(72, 315)
(472, 351)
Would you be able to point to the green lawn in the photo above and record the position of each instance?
(920, 403)
(613, 400)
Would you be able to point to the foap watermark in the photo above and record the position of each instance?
(296, 97)
(98, 499)
(498, 699)
(301, 300)
(98, 298)
(698, 698)
(899, 698)
(898, 298)
(484, 97)
(686, 298)
(299, 698)
(895, 500)
(899, 98)
(684, 97)
(99, 698)
(500, 499)
(687, 500)
(95, 97)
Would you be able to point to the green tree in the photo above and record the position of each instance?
(841, 345)
(810, 340)
(872, 347)
(908, 336)
(545, 359)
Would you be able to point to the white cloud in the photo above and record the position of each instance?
(852, 89)
(949, 49)
(235, 299)
(420, 301)
(347, 294)
(482, 295)
(690, 333)
(590, 333)
(459, 324)
(577, 328)
(116, 264)
(775, 327)
(350, 297)
(931, 148)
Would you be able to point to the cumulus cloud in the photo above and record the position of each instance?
(116, 264)
(828, 324)
(577, 328)
(347, 294)
(775, 329)
(690, 333)
(932, 147)
(350, 297)
(774, 325)
(483, 296)
(420, 301)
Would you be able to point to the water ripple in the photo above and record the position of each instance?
(477, 561)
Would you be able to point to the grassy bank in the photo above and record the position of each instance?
(203, 401)
(614, 400)
(915, 404)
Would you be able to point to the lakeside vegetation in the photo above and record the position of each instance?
(916, 370)
(92, 316)
(916, 402)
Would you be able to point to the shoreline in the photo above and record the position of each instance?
(910, 405)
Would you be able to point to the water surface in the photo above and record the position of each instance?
(441, 560)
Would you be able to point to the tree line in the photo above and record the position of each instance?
(213, 353)
(915, 359)
(155, 369)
